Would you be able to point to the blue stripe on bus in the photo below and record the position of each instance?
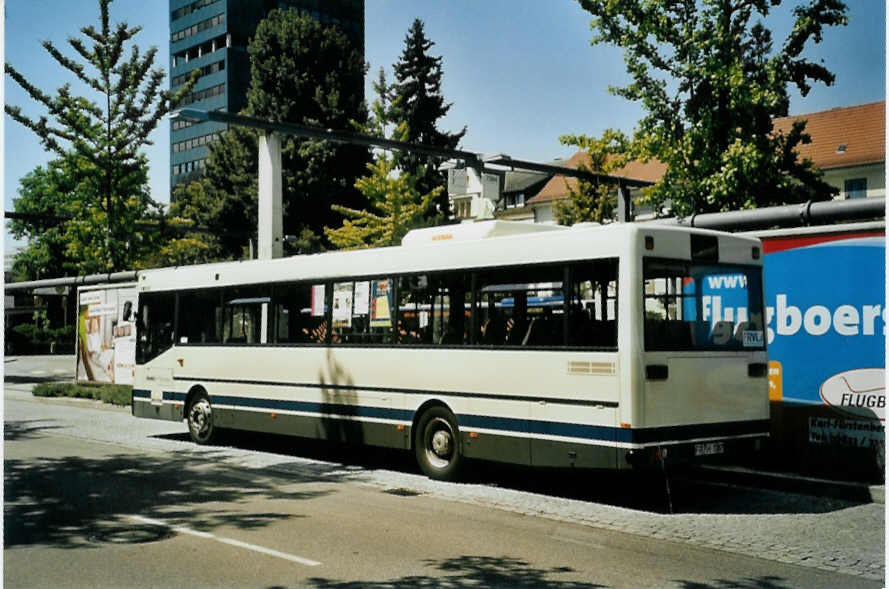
(312, 407)
(506, 424)
(549, 428)
(616, 434)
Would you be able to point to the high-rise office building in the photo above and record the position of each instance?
(212, 36)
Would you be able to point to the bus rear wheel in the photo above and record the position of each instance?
(200, 419)
(437, 444)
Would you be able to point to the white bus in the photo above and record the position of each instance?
(596, 347)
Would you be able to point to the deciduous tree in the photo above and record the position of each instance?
(104, 130)
(711, 81)
(593, 200)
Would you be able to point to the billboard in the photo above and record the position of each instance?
(826, 321)
(106, 334)
(826, 326)
(825, 329)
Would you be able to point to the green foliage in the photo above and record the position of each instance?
(107, 393)
(711, 82)
(65, 228)
(98, 137)
(392, 192)
(304, 73)
(400, 204)
(40, 332)
(417, 101)
(593, 200)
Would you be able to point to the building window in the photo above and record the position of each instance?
(205, 48)
(203, 94)
(463, 208)
(195, 142)
(516, 199)
(189, 167)
(187, 32)
(188, 9)
(855, 188)
(205, 71)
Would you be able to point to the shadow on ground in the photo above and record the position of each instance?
(30, 379)
(75, 502)
(16, 431)
(472, 571)
(687, 491)
(484, 571)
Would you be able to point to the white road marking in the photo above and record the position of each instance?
(229, 541)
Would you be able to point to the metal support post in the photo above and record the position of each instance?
(271, 223)
(624, 205)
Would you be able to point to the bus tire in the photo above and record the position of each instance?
(437, 444)
(199, 416)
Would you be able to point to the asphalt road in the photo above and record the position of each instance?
(94, 498)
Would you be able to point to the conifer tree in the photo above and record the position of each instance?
(418, 101)
(391, 191)
(104, 133)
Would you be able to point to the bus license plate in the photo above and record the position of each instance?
(709, 449)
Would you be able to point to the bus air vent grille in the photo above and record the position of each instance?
(591, 368)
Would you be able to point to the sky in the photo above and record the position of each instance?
(519, 73)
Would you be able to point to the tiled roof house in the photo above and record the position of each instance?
(848, 145)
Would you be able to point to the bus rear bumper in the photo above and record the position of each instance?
(699, 452)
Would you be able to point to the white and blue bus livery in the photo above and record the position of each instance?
(595, 347)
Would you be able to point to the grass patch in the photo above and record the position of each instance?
(116, 394)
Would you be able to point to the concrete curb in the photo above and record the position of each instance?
(791, 483)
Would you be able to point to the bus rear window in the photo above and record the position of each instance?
(692, 306)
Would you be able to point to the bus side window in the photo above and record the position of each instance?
(521, 306)
(450, 310)
(593, 308)
(242, 315)
(298, 311)
(200, 315)
(415, 309)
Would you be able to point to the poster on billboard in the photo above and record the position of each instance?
(106, 334)
(826, 321)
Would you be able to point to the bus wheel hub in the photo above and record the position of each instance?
(441, 443)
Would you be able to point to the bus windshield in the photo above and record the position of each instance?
(698, 306)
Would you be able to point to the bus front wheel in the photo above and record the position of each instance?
(200, 419)
(437, 444)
